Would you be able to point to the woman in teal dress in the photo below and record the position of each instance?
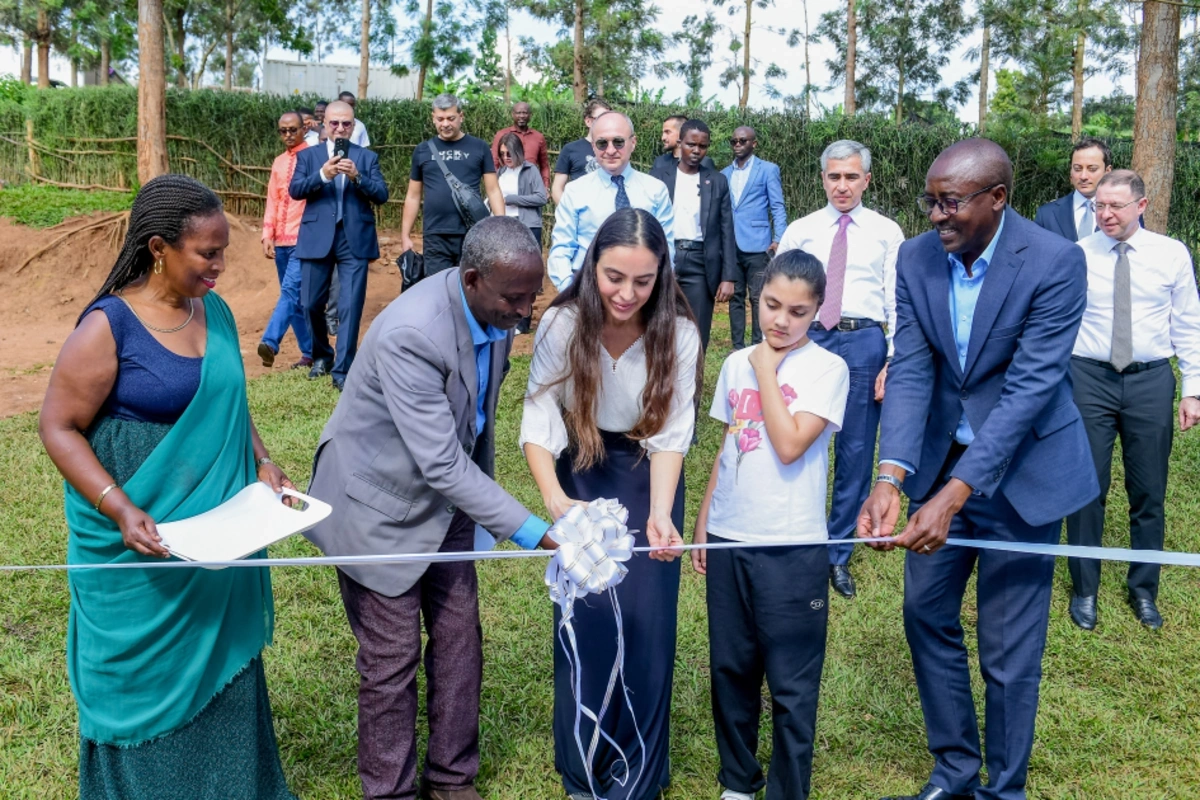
(147, 420)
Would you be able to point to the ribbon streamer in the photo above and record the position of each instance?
(593, 544)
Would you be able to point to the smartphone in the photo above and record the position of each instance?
(341, 147)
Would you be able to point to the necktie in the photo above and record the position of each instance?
(1087, 225)
(1122, 335)
(341, 193)
(835, 277)
(622, 197)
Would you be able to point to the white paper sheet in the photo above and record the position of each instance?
(252, 519)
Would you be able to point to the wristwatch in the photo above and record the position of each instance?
(890, 479)
(264, 460)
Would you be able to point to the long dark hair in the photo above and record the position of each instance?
(631, 227)
(516, 149)
(164, 207)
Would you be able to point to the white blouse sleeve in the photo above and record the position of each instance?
(676, 435)
(542, 421)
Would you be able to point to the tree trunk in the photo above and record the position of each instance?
(900, 94)
(985, 54)
(1077, 75)
(74, 72)
(43, 48)
(578, 83)
(180, 37)
(744, 100)
(426, 32)
(364, 47)
(26, 61)
(1154, 115)
(851, 55)
(152, 92)
(807, 68)
(105, 61)
(229, 12)
(507, 57)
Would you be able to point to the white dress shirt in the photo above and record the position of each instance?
(687, 207)
(622, 382)
(1165, 303)
(1079, 203)
(359, 136)
(872, 244)
(738, 178)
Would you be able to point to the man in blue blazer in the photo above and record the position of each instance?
(337, 228)
(759, 220)
(1073, 216)
(979, 416)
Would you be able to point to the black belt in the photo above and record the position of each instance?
(1137, 366)
(689, 244)
(851, 324)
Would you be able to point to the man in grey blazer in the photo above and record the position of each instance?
(406, 461)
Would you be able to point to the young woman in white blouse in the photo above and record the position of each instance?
(610, 413)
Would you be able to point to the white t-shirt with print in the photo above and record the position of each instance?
(758, 498)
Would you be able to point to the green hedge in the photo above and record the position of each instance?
(229, 141)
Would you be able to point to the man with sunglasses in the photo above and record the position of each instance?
(281, 228)
(1124, 384)
(587, 202)
(980, 430)
(336, 230)
(759, 219)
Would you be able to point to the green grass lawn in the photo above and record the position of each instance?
(1117, 715)
(44, 206)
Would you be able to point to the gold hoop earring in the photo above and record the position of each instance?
(158, 267)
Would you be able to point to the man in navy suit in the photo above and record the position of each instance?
(338, 228)
(979, 417)
(1074, 216)
(759, 219)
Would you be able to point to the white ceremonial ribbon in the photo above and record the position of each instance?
(593, 544)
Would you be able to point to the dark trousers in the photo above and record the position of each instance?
(768, 611)
(1013, 601)
(314, 294)
(527, 322)
(1140, 407)
(750, 267)
(441, 251)
(388, 630)
(692, 275)
(865, 353)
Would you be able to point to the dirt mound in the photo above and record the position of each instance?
(39, 304)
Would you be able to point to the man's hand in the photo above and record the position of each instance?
(1189, 413)
(268, 249)
(880, 382)
(928, 529)
(406, 244)
(879, 514)
(330, 168)
(724, 291)
(773, 247)
(347, 167)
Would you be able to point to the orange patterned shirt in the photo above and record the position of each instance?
(281, 221)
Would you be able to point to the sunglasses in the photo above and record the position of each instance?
(337, 124)
(735, 140)
(286, 131)
(618, 143)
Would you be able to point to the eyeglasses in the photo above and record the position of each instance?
(286, 131)
(736, 140)
(618, 143)
(950, 206)
(1102, 207)
(333, 123)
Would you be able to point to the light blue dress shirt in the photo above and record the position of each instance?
(531, 532)
(738, 178)
(587, 203)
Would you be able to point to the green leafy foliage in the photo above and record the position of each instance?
(44, 206)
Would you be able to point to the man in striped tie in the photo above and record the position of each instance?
(857, 320)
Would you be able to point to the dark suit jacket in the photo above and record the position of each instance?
(716, 222)
(396, 458)
(320, 214)
(1030, 444)
(1058, 217)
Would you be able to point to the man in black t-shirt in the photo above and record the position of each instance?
(470, 160)
(577, 158)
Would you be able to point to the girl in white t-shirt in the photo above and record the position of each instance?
(781, 401)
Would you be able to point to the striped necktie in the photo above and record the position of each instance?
(835, 277)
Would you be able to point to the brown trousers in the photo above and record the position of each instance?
(388, 630)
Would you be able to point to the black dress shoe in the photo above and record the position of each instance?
(267, 354)
(320, 369)
(931, 792)
(339, 383)
(1083, 611)
(841, 580)
(1146, 612)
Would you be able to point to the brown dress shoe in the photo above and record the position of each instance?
(468, 793)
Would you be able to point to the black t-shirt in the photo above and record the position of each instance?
(468, 159)
(576, 159)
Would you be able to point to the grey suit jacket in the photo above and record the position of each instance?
(395, 459)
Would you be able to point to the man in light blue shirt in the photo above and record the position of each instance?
(587, 202)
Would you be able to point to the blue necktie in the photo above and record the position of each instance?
(341, 193)
(622, 197)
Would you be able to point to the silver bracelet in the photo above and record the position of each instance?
(889, 479)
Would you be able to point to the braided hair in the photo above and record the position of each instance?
(165, 206)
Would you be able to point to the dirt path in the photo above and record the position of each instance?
(39, 305)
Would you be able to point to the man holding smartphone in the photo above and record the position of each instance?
(340, 181)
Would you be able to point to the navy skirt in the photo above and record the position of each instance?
(649, 598)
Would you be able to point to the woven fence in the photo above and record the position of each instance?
(87, 138)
